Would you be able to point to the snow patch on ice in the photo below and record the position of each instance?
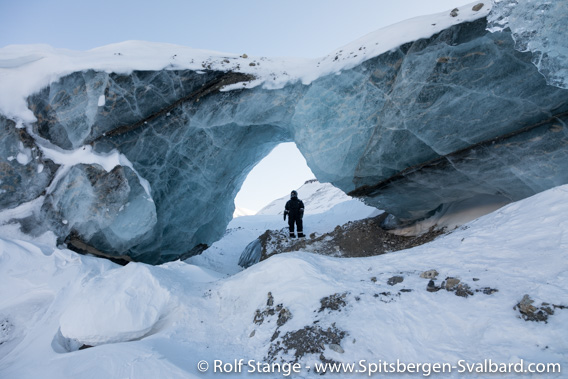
(24, 156)
(21, 211)
(23, 159)
(86, 155)
(82, 155)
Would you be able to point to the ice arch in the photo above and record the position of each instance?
(434, 122)
(193, 143)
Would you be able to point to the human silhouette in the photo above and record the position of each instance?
(294, 209)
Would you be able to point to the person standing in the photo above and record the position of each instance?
(294, 209)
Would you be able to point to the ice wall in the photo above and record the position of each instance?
(539, 27)
(458, 116)
(192, 143)
(24, 174)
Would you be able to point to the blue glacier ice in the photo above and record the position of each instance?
(22, 179)
(109, 210)
(251, 254)
(459, 116)
(540, 27)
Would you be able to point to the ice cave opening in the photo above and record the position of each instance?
(284, 169)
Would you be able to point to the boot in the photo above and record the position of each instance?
(292, 235)
(301, 235)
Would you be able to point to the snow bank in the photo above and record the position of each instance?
(519, 249)
(177, 314)
(121, 305)
(224, 254)
(296, 281)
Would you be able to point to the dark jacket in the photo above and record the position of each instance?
(295, 208)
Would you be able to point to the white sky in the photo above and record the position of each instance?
(302, 28)
(282, 171)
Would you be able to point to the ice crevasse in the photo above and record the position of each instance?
(456, 107)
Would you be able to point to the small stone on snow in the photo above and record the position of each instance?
(477, 7)
(336, 348)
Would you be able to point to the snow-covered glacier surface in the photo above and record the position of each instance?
(444, 113)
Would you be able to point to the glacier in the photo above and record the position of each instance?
(459, 114)
(537, 26)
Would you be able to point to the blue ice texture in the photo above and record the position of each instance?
(251, 254)
(464, 114)
(538, 26)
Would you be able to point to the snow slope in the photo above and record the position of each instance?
(239, 211)
(327, 207)
(317, 197)
(160, 321)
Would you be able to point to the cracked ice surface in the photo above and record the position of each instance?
(454, 115)
(537, 26)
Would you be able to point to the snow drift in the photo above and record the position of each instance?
(181, 313)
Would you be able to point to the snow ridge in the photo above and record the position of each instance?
(26, 69)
